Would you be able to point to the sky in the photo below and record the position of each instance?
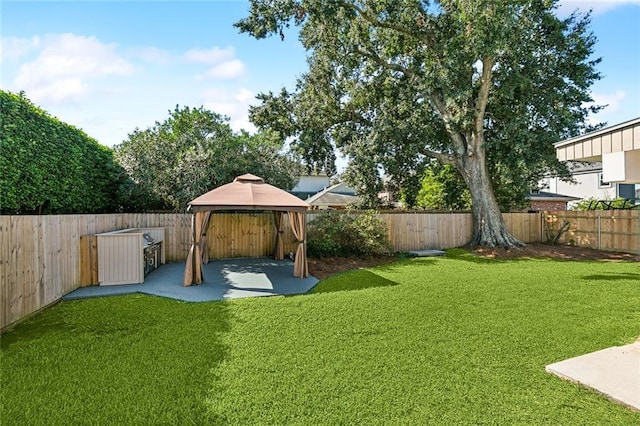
(109, 67)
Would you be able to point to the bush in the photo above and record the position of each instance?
(341, 234)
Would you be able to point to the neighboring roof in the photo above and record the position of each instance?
(329, 199)
(248, 192)
(580, 167)
(333, 196)
(550, 196)
(342, 188)
(310, 184)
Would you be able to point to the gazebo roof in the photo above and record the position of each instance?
(248, 192)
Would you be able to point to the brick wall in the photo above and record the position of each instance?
(548, 205)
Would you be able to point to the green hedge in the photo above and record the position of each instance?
(49, 167)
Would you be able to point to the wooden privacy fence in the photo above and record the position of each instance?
(417, 230)
(40, 256)
(612, 230)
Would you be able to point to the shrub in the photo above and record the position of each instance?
(342, 234)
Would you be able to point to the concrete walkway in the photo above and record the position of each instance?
(223, 279)
(614, 372)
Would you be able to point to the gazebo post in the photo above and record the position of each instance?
(299, 227)
(193, 270)
(278, 252)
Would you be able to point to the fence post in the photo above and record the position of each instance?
(598, 228)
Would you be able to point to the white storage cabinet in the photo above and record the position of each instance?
(125, 255)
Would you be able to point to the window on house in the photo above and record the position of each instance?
(601, 183)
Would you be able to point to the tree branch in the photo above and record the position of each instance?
(437, 103)
(447, 119)
(427, 39)
(441, 157)
(388, 65)
(483, 96)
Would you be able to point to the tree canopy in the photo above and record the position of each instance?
(483, 86)
(442, 188)
(195, 150)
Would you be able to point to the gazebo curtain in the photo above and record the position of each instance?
(298, 226)
(199, 252)
(278, 252)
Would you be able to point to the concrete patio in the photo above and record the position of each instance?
(223, 279)
(614, 372)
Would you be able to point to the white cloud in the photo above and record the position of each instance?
(614, 105)
(153, 55)
(67, 88)
(598, 6)
(226, 70)
(15, 47)
(234, 104)
(209, 56)
(65, 65)
(613, 100)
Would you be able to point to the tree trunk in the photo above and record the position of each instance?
(489, 229)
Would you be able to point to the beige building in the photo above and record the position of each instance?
(613, 170)
(616, 147)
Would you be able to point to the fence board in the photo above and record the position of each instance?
(88, 260)
(15, 285)
(29, 266)
(5, 254)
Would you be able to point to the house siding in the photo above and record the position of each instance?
(587, 186)
(590, 147)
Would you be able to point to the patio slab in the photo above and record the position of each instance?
(426, 253)
(614, 372)
(223, 279)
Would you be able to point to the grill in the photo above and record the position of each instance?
(151, 255)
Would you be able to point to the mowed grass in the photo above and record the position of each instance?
(455, 340)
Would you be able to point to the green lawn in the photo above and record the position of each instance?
(455, 340)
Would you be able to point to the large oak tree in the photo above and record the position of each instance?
(482, 85)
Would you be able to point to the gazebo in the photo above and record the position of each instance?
(247, 192)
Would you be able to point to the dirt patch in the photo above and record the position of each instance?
(323, 268)
(536, 250)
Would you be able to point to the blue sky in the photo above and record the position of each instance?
(108, 67)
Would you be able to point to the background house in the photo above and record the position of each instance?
(339, 196)
(605, 163)
(589, 184)
(615, 154)
(549, 201)
(309, 185)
